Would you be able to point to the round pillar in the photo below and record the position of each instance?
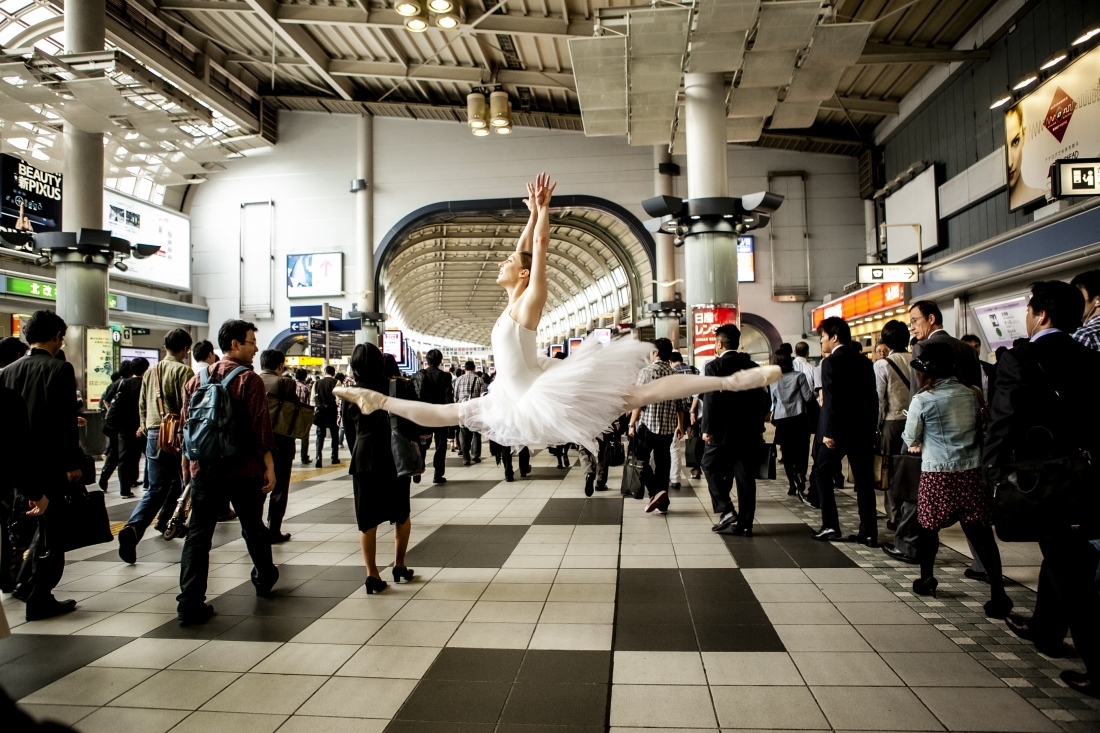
(364, 226)
(665, 327)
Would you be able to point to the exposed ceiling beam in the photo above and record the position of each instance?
(855, 104)
(304, 45)
(549, 26)
(885, 53)
(439, 73)
(211, 5)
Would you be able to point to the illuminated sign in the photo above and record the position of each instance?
(862, 302)
(574, 343)
(602, 335)
(144, 223)
(43, 290)
(1003, 322)
(746, 260)
(705, 321)
(393, 344)
(315, 275)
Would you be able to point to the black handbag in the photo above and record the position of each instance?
(691, 450)
(407, 456)
(79, 520)
(765, 468)
(632, 485)
(904, 477)
(616, 454)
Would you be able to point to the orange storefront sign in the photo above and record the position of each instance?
(862, 302)
(704, 322)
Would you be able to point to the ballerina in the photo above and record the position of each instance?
(541, 401)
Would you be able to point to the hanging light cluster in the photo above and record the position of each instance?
(418, 14)
(494, 114)
(1053, 61)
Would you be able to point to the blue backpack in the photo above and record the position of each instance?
(210, 433)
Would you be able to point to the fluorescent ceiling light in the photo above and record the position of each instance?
(1087, 35)
(1025, 82)
(1001, 101)
(1054, 60)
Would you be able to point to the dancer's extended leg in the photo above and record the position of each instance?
(681, 386)
(424, 414)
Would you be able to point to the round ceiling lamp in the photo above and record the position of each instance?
(408, 7)
(418, 23)
(480, 131)
(477, 112)
(441, 6)
(448, 21)
(504, 130)
(500, 109)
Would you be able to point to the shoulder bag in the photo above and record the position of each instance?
(632, 474)
(169, 439)
(407, 456)
(290, 418)
(1041, 499)
(616, 454)
(765, 469)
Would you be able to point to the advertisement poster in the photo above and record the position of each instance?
(315, 275)
(30, 199)
(392, 344)
(746, 260)
(1060, 119)
(129, 352)
(704, 321)
(99, 349)
(1003, 322)
(602, 335)
(142, 223)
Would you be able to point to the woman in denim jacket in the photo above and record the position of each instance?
(944, 427)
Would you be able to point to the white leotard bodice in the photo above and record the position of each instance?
(515, 352)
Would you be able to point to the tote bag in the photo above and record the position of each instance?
(632, 475)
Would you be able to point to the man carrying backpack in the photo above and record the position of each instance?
(228, 445)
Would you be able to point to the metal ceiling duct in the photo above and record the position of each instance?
(752, 101)
(599, 73)
(657, 40)
(786, 26)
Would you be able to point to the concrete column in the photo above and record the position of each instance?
(364, 226)
(666, 259)
(710, 259)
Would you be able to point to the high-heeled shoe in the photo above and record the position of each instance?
(375, 585)
(367, 400)
(925, 586)
(998, 607)
(400, 573)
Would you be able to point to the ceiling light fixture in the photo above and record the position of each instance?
(1025, 82)
(408, 7)
(441, 6)
(1087, 36)
(1054, 60)
(500, 109)
(481, 131)
(448, 21)
(504, 130)
(418, 23)
(477, 112)
(1001, 101)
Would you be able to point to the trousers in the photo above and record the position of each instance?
(277, 500)
(130, 448)
(595, 466)
(329, 428)
(439, 461)
(208, 496)
(1068, 597)
(43, 567)
(469, 443)
(657, 445)
(722, 466)
(165, 485)
(524, 461)
(862, 462)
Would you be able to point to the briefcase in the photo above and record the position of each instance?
(616, 454)
(904, 477)
(691, 450)
(632, 475)
(290, 419)
(765, 470)
(80, 520)
(1043, 499)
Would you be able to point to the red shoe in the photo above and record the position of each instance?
(660, 501)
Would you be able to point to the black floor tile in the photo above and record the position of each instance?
(456, 701)
(476, 665)
(652, 614)
(344, 573)
(467, 560)
(650, 577)
(457, 490)
(212, 629)
(239, 605)
(601, 511)
(545, 665)
(17, 645)
(543, 473)
(538, 703)
(728, 613)
(711, 576)
(755, 561)
(738, 638)
(467, 546)
(75, 650)
(425, 726)
(19, 679)
(300, 572)
(655, 638)
(720, 594)
(522, 728)
(317, 588)
(267, 628)
(294, 607)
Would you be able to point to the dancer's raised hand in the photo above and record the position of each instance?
(532, 199)
(544, 190)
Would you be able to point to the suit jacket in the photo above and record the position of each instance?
(48, 388)
(1040, 412)
(14, 442)
(435, 386)
(734, 418)
(967, 365)
(849, 412)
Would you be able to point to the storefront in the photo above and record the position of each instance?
(867, 310)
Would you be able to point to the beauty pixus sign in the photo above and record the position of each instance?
(30, 198)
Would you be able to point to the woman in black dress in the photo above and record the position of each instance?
(380, 494)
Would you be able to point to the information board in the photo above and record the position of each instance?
(393, 343)
(143, 223)
(1003, 322)
(153, 355)
(99, 351)
(315, 275)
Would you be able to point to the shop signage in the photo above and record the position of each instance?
(141, 222)
(99, 350)
(705, 320)
(862, 302)
(46, 291)
(1059, 120)
(1075, 178)
(889, 273)
(746, 259)
(315, 275)
(574, 343)
(556, 349)
(393, 343)
(30, 199)
(1003, 322)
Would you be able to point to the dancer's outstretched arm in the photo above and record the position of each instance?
(527, 309)
(424, 414)
(682, 386)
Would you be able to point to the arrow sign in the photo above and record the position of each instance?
(888, 273)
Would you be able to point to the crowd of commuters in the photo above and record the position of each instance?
(919, 415)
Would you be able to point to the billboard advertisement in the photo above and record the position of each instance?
(1059, 120)
(746, 259)
(315, 275)
(392, 343)
(704, 322)
(30, 199)
(99, 350)
(142, 223)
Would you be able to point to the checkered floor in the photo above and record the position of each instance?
(536, 610)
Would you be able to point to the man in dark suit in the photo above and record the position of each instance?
(281, 386)
(435, 386)
(732, 426)
(14, 444)
(48, 388)
(849, 417)
(1046, 400)
(325, 416)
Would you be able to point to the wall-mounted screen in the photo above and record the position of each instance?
(30, 199)
(914, 203)
(392, 343)
(315, 275)
(746, 259)
(126, 353)
(1003, 322)
(143, 223)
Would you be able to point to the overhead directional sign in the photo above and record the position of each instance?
(889, 273)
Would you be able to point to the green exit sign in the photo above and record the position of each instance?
(44, 290)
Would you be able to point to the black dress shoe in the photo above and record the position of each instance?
(866, 541)
(439, 480)
(726, 521)
(280, 537)
(1021, 627)
(998, 607)
(196, 617)
(509, 479)
(317, 464)
(465, 463)
(675, 486)
(897, 554)
(264, 588)
(975, 575)
(416, 479)
(743, 531)
(826, 534)
(50, 609)
(602, 488)
(589, 484)
(127, 545)
(1080, 682)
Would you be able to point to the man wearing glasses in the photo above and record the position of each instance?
(242, 478)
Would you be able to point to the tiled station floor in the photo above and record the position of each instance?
(535, 610)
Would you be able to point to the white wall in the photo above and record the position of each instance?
(419, 163)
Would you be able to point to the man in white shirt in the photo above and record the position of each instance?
(802, 364)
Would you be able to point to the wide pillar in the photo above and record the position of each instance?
(710, 258)
(364, 227)
(665, 325)
(82, 280)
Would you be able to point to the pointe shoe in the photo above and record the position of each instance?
(367, 400)
(754, 378)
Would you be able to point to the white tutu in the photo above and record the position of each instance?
(539, 401)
